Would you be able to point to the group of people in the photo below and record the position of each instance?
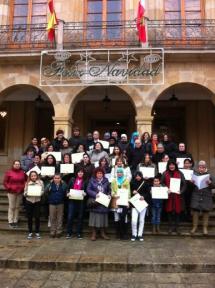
(116, 167)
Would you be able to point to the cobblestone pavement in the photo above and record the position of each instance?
(11, 278)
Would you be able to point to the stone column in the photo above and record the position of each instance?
(60, 35)
(4, 12)
(63, 123)
(144, 124)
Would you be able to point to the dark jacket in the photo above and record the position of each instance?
(57, 144)
(202, 199)
(135, 156)
(88, 169)
(92, 190)
(72, 182)
(56, 194)
(157, 157)
(170, 148)
(143, 191)
(26, 162)
(147, 147)
(182, 154)
(75, 141)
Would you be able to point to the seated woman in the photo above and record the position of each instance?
(98, 213)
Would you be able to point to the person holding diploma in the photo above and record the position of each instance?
(76, 207)
(97, 153)
(138, 185)
(156, 208)
(65, 148)
(201, 201)
(56, 191)
(33, 203)
(121, 212)
(174, 202)
(147, 162)
(98, 213)
(120, 163)
(86, 165)
(14, 183)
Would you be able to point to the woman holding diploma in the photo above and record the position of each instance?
(99, 213)
(174, 203)
(34, 189)
(201, 201)
(121, 212)
(156, 208)
(139, 186)
(120, 163)
(97, 153)
(76, 204)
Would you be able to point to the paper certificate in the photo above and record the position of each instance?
(162, 167)
(123, 197)
(103, 199)
(57, 155)
(148, 172)
(159, 192)
(175, 184)
(34, 191)
(35, 169)
(187, 173)
(66, 168)
(113, 161)
(180, 162)
(96, 164)
(137, 203)
(201, 181)
(111, 150)
(47, 171)
(76, 194)
(105, 144)
(77, 157)
(108, 176)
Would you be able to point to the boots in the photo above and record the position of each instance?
(93, 236)
(195, 222)
(205, 223)
(158, 229)
(103, 235)
(153, 229)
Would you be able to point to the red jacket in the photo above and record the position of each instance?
(14, 181)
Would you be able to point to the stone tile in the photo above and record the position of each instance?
(168, 278)
(115, 263)
(12, 273)
(141, 277)
(35, 275)
(199, 285)
(142, 285)
(90, 263)
(59, 275)
(67, 262)
(57, 284)
(47, 261)
(29, 283)
(115, 277)
(88, 277)
(82, 284)
(113, 285)
(172, 285)
(8, 283)
(197, 278)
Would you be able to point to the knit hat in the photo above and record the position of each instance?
(124, 135)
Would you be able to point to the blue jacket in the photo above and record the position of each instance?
(56, 194)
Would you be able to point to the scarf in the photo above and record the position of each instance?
(78, 183)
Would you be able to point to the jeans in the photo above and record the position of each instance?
(156, 211)
(33, 210)
(75, 207)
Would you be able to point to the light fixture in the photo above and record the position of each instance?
(106, 100)
(3, 113)
(39, 101)
(173, 98)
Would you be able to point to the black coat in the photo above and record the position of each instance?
(143, 191)
(135, 156)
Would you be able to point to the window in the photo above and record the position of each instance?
(104, 18)
(185, 18)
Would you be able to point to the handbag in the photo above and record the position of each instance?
(91, 203)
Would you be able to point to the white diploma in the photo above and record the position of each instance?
(162, 167)
(108, 176)
(137, 203)
(111, 150)
(175, 184)
(57, 155)
(148, 172)
(96, 164)
(66, 168)
(187, 173)
(35, 169)
(105, 144)
(76, 194)
(180, 162)
(77, 157)
(159, 192)
(47, 171)
(103, 199)
(113, 162)
(123, 197)
(34, 191)
(200, 181)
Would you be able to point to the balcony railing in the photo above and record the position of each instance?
(170, 34)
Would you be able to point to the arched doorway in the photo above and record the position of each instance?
(104, 109)
(28, 113)
(186, 112)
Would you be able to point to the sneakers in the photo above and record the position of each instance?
(37, 235)
(79, 236)
(10, 225)
(30, 236)
(140, 238)
(15, 225)
(133, 238)
(68, 236)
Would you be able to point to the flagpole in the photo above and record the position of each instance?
(146, 44)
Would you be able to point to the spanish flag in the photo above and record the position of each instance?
(52, 21)
(141, 27)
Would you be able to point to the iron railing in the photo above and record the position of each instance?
(170, 34)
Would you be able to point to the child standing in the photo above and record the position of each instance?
(56, 195)
(156, 208)
(33, 203)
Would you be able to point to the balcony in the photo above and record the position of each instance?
(170, 34)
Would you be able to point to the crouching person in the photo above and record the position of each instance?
(56, 190)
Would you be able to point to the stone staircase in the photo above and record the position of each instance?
(185, 227)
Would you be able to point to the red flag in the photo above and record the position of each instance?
(141, 21)
(52, 21)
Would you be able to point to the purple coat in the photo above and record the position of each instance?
(92, 190)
